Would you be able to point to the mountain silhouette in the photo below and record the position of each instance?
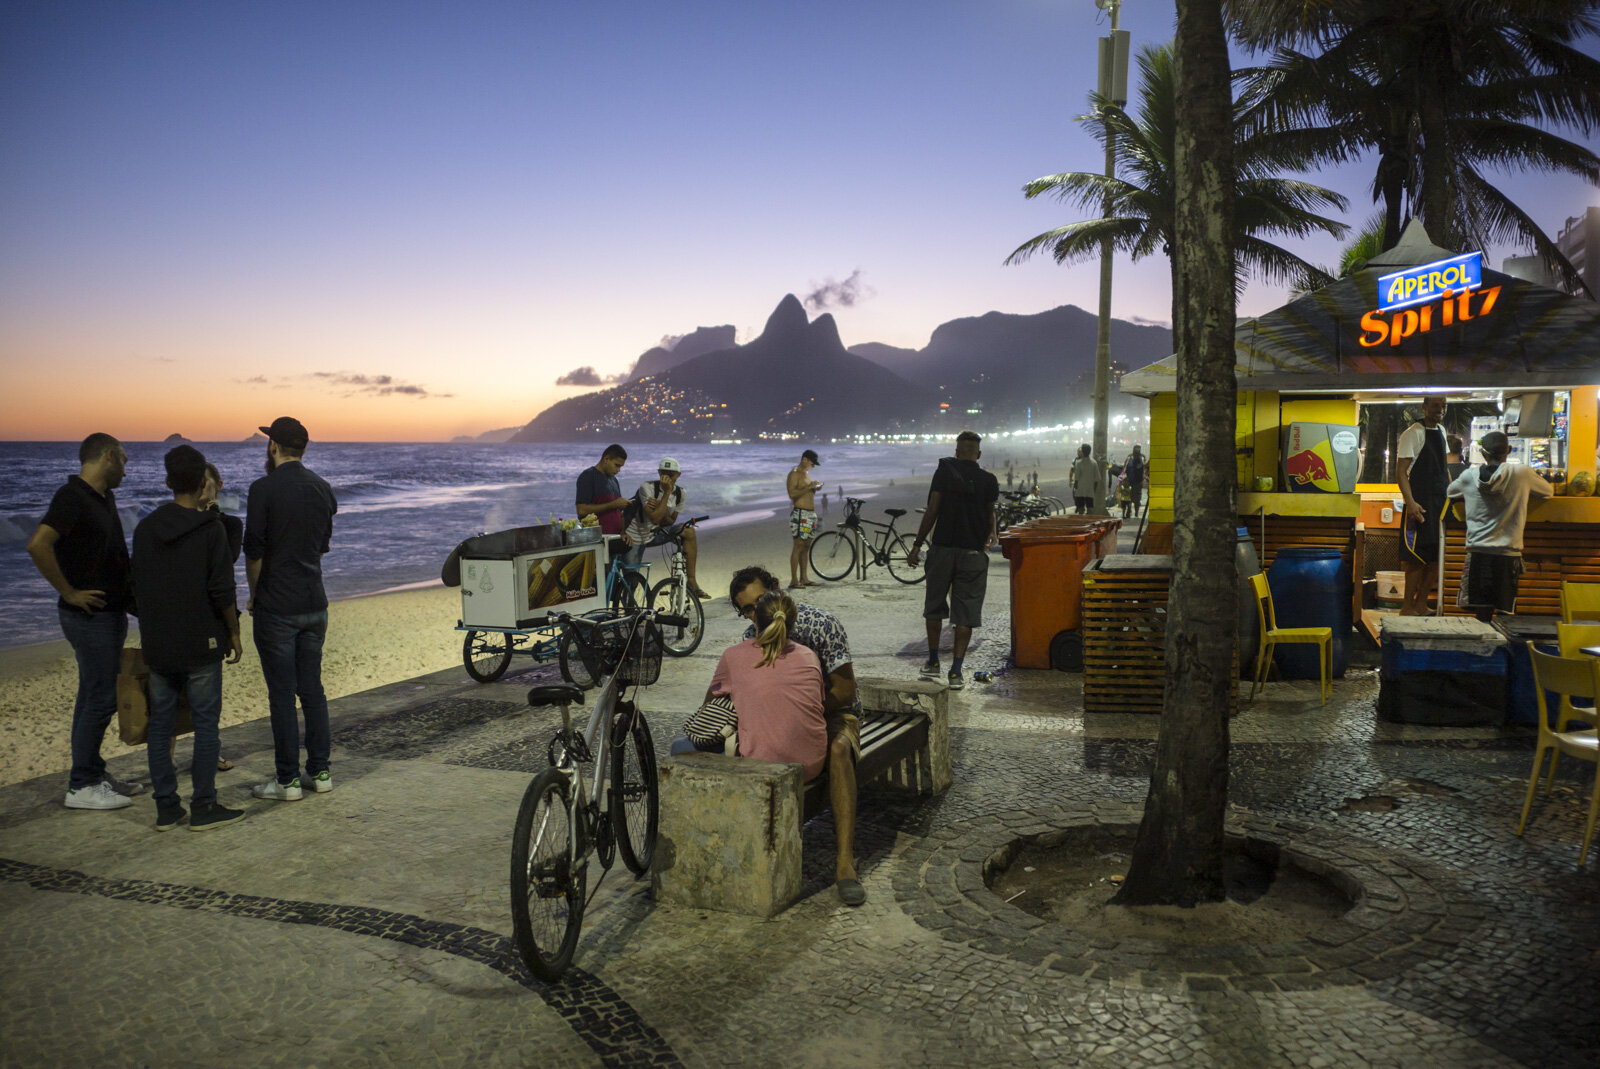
(1006, 363)
(661, 358)
(796, 377)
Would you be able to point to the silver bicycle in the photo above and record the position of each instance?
(675, 597)
(561, 826)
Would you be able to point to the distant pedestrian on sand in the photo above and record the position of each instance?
(188, 623)
(802, 489)
(288, 528)
(961, 515)
(80, 550)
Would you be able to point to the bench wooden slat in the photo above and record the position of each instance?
(886, 744)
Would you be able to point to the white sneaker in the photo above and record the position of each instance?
(278, 792)
(322, 782)
(96, 796)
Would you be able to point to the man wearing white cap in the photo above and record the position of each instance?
(653, 519)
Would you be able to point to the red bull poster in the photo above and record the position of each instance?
(1320, 458)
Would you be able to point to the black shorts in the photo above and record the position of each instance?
(1419, 543)
(1489, 581)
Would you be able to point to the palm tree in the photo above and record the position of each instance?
(1138, 211)
(1439, 89)
(1177, 857)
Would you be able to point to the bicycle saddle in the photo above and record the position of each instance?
(894, 512)
(554, 694)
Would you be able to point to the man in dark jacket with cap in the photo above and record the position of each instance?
(288, 525)
(188, 622)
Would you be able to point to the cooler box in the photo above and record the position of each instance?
(1522, 704)
(1442, 671)
(512, 579)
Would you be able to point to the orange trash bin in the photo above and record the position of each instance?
(1047, 558)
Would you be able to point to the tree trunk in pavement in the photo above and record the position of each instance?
(1177, 859)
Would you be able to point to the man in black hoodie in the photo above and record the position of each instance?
(188, 622)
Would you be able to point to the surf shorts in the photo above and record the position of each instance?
(803, 524)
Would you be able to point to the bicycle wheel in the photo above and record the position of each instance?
(486, 654)
(672, 595)
(899, 566)
(630, 593)
(547, 892)
(833, 555)
(573, 670)
(635, 794)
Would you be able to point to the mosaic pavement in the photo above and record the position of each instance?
(370, 926)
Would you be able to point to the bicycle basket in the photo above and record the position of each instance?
(852, 510)
(640, 663)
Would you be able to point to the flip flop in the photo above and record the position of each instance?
(850, 892)
(224, 765)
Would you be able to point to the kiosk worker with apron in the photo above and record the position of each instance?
(1423, 475)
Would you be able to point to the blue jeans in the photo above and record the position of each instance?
(96, 639)
(290, 648)
(202, 685)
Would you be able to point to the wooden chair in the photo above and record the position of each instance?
(1273, 636)
(1571, 677)
(1572, 638)
(1579, 601)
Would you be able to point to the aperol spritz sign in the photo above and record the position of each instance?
(1418, 299)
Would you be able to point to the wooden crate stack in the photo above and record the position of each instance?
(1125, 634)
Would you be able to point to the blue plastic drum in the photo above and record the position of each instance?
(1311, 588)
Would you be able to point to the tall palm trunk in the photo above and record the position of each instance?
(1177, 859)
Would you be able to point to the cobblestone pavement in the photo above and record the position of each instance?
(370, 926)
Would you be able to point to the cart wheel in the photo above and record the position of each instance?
(486, 654)
(1066, 651)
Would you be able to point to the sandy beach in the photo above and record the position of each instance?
(388, 637)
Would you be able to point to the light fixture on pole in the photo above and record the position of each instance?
(1113, 88)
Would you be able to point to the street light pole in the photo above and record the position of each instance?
(1114, 87)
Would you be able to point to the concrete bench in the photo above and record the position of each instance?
(729, 836)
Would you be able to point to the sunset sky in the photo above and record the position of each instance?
(405, 221)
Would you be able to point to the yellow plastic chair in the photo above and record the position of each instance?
(1571, 677)
(1572, 638)
(1579, 601)
(1273, 636)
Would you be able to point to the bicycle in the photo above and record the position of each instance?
(834, 553)
(559, 828)
(674, 596)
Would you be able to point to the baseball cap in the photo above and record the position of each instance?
(668, 464)
(811, 455)
(287, 432)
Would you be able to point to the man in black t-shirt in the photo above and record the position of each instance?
(960, 513)
(80, 549)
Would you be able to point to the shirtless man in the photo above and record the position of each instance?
(802, 490)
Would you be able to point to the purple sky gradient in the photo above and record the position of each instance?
(477, 198)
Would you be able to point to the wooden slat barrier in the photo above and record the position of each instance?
(1551, 552)
(1336, 531)
(1124, 640)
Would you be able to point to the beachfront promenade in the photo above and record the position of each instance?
(370, 926)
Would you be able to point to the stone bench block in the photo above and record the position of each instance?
(925, 696)
(729, 834)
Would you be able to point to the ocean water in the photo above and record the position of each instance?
(403, 507)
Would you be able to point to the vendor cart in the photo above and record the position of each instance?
(511, 581)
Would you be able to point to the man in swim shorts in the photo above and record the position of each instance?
(802, 490)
